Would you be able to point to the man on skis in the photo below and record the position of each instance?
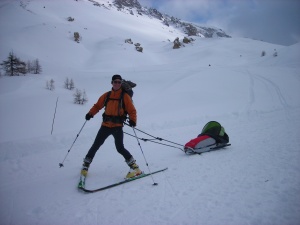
(116, 103)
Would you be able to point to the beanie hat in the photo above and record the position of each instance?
(116, 76)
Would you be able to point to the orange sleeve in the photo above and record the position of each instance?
(98, 105)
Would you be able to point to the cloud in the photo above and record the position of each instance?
(276, 21)
(183, 9)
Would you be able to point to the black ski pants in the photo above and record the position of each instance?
(102, 135)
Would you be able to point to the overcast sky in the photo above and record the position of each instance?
(275, 21)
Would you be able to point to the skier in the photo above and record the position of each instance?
(116, 103)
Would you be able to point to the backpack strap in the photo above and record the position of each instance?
(107, 98)
(119, 118)
(121, 100)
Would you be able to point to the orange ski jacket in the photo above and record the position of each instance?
(113, 109)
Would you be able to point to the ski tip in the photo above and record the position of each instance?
(82, 189)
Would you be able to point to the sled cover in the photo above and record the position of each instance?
(212, 135)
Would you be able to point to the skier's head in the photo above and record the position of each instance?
(116, 82)
(116, 77)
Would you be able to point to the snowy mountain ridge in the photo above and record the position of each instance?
(133, 7)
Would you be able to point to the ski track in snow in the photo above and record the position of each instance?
(271, 85)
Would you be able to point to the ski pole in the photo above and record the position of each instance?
(54, 115)
(61, 164)
(144, 156)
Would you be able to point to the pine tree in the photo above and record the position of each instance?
(84, 98)
(80, 97)
(77, 96)
(37, 67)
(71, 84)
(13, 66)
(29, 66)
(50, 85)
(66, 83)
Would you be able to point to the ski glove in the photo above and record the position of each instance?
(132, 123)
(88, 116)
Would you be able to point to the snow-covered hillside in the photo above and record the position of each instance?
(256, 99)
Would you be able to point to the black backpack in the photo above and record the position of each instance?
(127, 86)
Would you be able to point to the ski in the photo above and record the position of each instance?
(119, 183)
(209, 148)
(214, 148)
(219, 146)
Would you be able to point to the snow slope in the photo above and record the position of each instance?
(256, 99)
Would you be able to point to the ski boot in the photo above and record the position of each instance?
(85, 166)
(134, 169)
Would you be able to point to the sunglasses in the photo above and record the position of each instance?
(117, 82)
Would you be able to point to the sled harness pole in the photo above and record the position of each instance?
(61, 164)
(143, 155)
(155, 138)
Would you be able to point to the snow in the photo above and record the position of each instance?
(257, 99)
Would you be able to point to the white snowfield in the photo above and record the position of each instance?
(257, 99)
